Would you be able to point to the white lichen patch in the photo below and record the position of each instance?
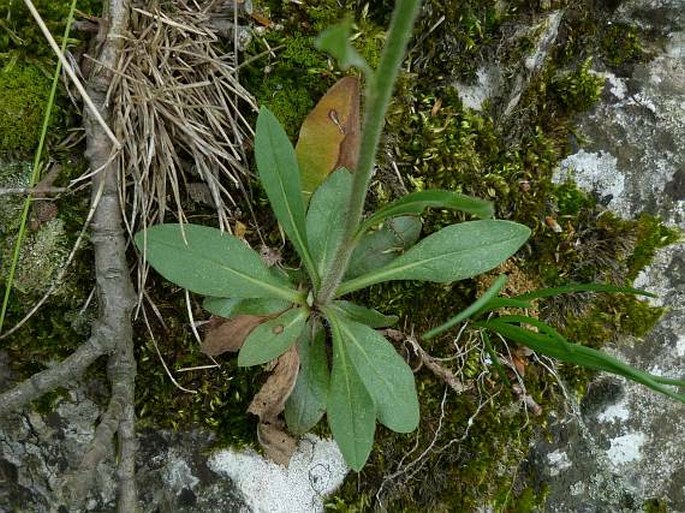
(626, 448)
(617, 86)
(488, 82)
(178, 475)
(558, 462)
(316, 469)
(615, 413)
(595, 172)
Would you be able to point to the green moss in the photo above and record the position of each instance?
(20, 36)
(622, 45)
(655, 506)
(219, 396)
(24, 92)
(578, 90)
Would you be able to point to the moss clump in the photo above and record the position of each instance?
(578, 90)
(220, 396)
(622, 45)
(24, 92)
(21, 37)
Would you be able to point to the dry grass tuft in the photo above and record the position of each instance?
(177, 110)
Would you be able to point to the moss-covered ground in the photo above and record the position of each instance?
(470, 445)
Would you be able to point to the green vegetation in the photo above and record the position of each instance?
(507, 161)
(24, 92)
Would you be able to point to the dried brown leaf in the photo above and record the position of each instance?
(277, 443)
(270, 400)
(226, 335)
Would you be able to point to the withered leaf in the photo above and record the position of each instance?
(278, 445)
(229, 334)
(270, 400)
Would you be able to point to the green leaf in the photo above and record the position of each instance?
(582, 356)
(211, 263)
(307, 402)
(416, 202)
(368, 316)
(229, 307)
(280, 176)
(582, 287)
(272, 338)
(385, 374)
(454, 253)
(336, 41)
(350, 409)
(326, 218)
(472, 309)
(378, 248)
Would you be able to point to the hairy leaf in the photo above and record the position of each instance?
(272, 338)
(210, 262)
(368, 316)
(385, 374)
(380, 247)
(454, 253)
(336, 41)
(280, 176)
(416, 202)
(228, 307)
(351, 410)
(326, 218)
(307, 402)
(329, 136)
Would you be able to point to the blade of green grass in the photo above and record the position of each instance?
(35, 174)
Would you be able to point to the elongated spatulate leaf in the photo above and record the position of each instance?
(454, 253)
(380, 247)
(280, 176)
(210, 263)
(416, 202)
(351, 410)
(307, 402)
(329, 136)
(272, 338)
(326, 218)
(385, 374)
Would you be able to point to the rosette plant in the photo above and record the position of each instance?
(347, 369)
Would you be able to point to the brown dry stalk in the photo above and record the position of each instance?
(176, 100)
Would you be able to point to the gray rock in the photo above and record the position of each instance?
(623, 445)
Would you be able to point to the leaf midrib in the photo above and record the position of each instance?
(284, 292)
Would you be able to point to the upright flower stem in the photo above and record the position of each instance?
(378, 98)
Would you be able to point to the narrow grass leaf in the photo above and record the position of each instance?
(472, 309)
(416, 202)
(583, 356)
(383, 371)
(351, 410)
(582, 287)
(380, 247)
(454, 253)
(210, 263)
(370, 317)
(307, 402)
(272, 338)
(326, 218)
(280, 176)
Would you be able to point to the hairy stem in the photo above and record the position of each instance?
(379, 93)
